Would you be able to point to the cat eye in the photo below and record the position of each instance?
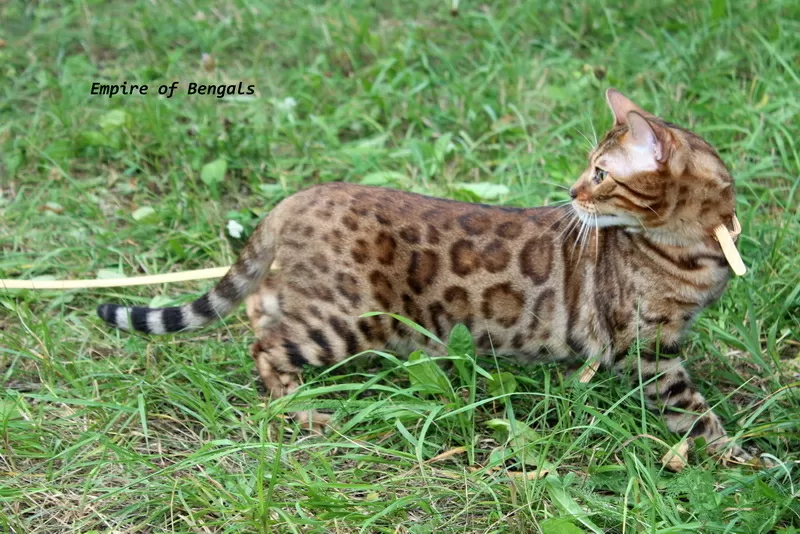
(599, 175)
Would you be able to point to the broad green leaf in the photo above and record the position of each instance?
(718, 9)
(375, 142)
(559, 526)
(75, 66)
(14, 161)
(460, 342)
(484, 190)
(426, 375)
(161, 301)
(503, 425)
(567, 504)
(93, 138)
(175, 246)
(109, 273)
(502, 383)
(461, 345)
(383, 178)
(58, 151)
(766, 491)
(365, 145)
(443, 147)
(497, 457)
(519, 437)
(8, 409)
(271, 189)
(115, 119)
(145, 214)
(214, 173)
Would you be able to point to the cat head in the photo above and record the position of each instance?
(655, 176)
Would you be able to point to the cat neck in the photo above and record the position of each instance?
(672, 240)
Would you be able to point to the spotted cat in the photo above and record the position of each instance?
(632, 257)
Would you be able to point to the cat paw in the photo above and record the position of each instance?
(733, 454)
(313, 420)
(736, 455)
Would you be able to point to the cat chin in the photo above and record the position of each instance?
(604, 221)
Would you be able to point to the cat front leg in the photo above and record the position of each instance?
(669, 391)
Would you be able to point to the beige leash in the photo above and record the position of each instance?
(727, 240)
(185, 276)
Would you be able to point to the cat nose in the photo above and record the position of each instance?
(573, 192)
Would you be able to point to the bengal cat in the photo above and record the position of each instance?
(632, 258)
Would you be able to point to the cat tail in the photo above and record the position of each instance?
(243, 278)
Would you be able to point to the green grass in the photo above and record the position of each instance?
(108, 432)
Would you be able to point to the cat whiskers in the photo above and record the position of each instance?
(560, 186)
(594, 132)
(644, 228)
(588, 141)
(567, 213)
(589, 224)
(654, 211)
(570, 226)
(586, 234)
(579, 237)
(596, 239)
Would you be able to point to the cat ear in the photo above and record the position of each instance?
(645, 135)
(620, 106)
